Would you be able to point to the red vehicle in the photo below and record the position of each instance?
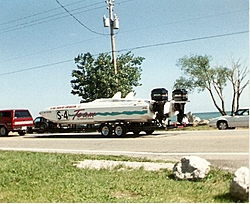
(15, 120)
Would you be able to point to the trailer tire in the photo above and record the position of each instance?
(106, 130)
(120, 130)
(3, 131)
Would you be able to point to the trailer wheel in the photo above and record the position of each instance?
(3, 131)
(106, 130)
(149, 132)
(120, 130)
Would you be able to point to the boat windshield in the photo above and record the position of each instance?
(119, 100)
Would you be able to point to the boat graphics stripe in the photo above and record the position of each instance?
(123, 112)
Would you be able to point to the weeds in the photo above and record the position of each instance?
(44, 177)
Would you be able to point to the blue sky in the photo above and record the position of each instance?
(39, 42)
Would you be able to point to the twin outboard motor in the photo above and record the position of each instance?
(159, 94)
(180, 97)
(160, 97)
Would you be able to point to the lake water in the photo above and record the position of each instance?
(209, 115)
(204, 115)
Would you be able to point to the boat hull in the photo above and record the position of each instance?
(92, 114)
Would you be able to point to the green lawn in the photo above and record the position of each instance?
(45, 177)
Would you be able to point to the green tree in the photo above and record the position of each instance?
(198, 74)
(95, 78)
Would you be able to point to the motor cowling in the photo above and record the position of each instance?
(160, 97)
(180, 95)
(159, 94)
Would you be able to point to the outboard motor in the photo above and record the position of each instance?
(180, 97)
(160, 96)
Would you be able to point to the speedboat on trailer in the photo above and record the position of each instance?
(122, 115)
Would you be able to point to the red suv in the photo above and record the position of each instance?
(16, 120)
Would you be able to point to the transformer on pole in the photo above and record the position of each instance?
(113, 23)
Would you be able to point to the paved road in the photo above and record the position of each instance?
(227, 149)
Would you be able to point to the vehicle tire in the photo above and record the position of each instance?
(136, 132)
(30, 130)
(120, 130)
(106, 130)
(222, 125)
(3, 131)
(21, 133)
(43, 127)
(149, 132)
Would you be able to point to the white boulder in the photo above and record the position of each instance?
(191, 167)
(239, 186)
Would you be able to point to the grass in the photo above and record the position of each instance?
(201, 127)
(45, 177)
(194, 128)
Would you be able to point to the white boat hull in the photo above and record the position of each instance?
(98, 112)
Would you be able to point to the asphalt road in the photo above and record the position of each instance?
(226, 149)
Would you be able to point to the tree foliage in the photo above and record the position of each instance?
(237, 75)
(198, 74)
(95, 78)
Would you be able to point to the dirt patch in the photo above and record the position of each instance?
(106, 164)
(127, 195)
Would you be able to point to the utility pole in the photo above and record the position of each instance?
(113, 23)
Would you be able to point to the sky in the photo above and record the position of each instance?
(39, 41)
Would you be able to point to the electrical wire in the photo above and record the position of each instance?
(182, 41)
(33, 68)
(57, 16)
(51, 49)
(79, 20)
(25, 25)
(47, 18)
(36, 14)
(134, 30)
(131, 49)
(183, 21)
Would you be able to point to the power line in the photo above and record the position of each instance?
(36, 21)
(209, 16)
(39, 13)
(182, 41)
(43, 20)
(183, 21)
(131, 49)
(33, 68)
(79, 20)
(51, 49)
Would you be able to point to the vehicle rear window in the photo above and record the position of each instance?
(22, 114)
(5, 114)
(242, 112)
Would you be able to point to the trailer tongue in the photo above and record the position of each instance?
(121, 115)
